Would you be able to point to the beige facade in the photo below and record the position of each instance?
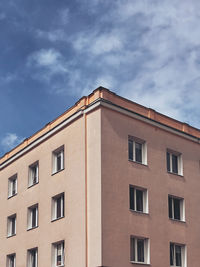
(109, 183)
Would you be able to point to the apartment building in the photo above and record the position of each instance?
(108, 183)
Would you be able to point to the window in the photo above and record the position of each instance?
(174, 162)
(32, 217)
(177, 255)
(33, 174)
(176, 208)
(138, 199)
(11, 260)
(32, 259)
(58, 206)
(58, 254)
(12, 186)
(137, 150)
(58, 159)
(11, 225)
(139, 250)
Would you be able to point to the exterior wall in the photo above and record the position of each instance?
(118, 222)
(71, 180)
(94, 189)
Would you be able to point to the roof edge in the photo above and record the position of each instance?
(110, 96)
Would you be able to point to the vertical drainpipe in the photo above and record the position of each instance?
(86, 202)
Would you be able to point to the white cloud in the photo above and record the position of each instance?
(10, 140)
(97, 44)
(47, 63)
(106, 43)
(45, 58)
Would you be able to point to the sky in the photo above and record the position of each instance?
(53, 52)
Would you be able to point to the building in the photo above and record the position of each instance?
(108, 183)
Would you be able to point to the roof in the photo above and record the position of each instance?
(108, 96)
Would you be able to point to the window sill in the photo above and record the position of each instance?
(140, 163)
(53, 173)
(12, 196)
(57, 219)
(32, 185)
(177, 174)
(177, 221)
(32, 228)
(139, 212)
(9, 236)
(142, 263)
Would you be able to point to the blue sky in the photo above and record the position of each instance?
(52, 52)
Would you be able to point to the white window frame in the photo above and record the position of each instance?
(58, 152)
(145, 199)
(144, 149)
(183, 255)
(54, 206)
(31, 174)
(30, 217)
(10, 186)
(55, 253)
(179, 162)
(29, 257)
(146, 250)
(9, 263)
(10, 225)
(182, 208)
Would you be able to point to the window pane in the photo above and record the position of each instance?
(59, 162)
(138, 152)
(59, 254)
(132, 198)
(34, 217)
(130, 149)
(58, 212)
(32, 258)
(12, 263)
(140, 250)
(168, 162)
(14, 187)
(171, 254)
(132, 249)
(174, 163)
(33, 254)
(13, 226)
(177, 209)
(170, 207)
(11, 260)
(178, 255)
(139, 200)
(34, 174)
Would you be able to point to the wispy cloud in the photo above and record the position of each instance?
(52, 36)
(97, 44)
(64, 16)
(45, 57)
(2, 16)
(48, 64)
(8, 78)
(10, 140)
